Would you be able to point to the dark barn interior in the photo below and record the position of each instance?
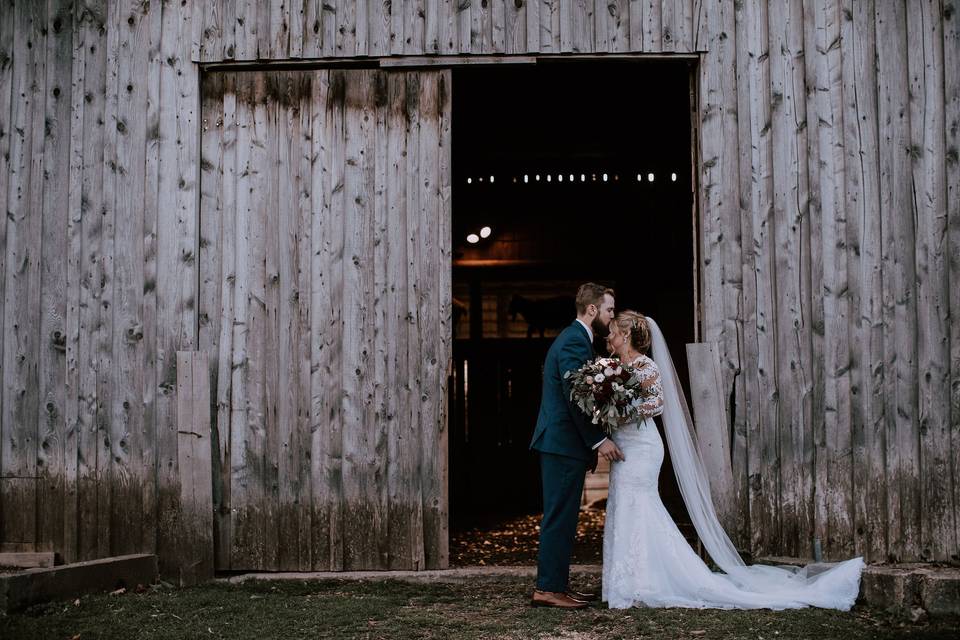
(563, 172)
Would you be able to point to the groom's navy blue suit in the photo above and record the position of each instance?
(565, 439)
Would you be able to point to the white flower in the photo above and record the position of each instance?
(588, 380)
(608, 372)
(599, 378)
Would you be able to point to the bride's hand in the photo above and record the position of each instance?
(610, 452)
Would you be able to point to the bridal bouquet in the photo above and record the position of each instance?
(608, 391)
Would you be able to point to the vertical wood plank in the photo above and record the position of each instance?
(327, 320)
(216, 281)
(75, 214)
(465, 26)
(362, 521)
(378, 27)
(395, 327)
(448, 27)
(765, 503)
(19, 428)
(193, 453)
(669, 24)
(245, 35)
(381, 336)
(150, 235)
(228, 36)
(815, 531)
(789, 210)
(514, 26)
(262, 29)
(601, 33)
(176, 319)
(127, 426)
(898, 279)
(652, 26)
(748, 381)
(294, 520)
(551, 26)
(481, 33)
(320, 409)
(428, 317)
(329, 11)
(53, 428)
(865, 238)
(298, 10)
(618, 25)
(412, 449)
(927, 150)
(104, 334)
(279, 25)
(532, 18)
(581, 31)
(951, 60)
(266, 292)
(444, 272)
(313, 32)
(720, 227)
(91, 23)
(414, 21)
(431, 27)
(636, 25)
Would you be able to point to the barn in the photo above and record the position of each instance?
(259, 264)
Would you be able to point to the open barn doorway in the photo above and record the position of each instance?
(563, 172)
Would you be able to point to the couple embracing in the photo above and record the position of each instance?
(646, 560)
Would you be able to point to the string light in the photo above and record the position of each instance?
(473, 238)
(485, 232)
(673, 177)
(650, 177)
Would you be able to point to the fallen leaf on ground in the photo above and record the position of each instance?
(119, 592)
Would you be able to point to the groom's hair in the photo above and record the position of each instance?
(591, 293)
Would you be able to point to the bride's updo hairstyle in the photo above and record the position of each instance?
(635, 324)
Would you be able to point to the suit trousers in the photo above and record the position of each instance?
(563, 478)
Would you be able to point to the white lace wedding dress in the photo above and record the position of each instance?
(647, 561)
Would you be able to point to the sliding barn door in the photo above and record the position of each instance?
(325, 306)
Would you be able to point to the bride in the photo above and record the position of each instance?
(646, 560)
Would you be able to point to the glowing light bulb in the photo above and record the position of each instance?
(485, 232)
(650, 177)
(473, 238)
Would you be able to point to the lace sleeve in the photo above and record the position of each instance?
(652, 404)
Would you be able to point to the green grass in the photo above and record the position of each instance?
(480, 608)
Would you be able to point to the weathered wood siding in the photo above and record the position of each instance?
(293, 29)
(830, 221)
(830, 217)
(325, 262)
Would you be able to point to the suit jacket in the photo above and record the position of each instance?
(562, 427)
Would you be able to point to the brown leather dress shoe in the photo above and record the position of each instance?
(582, 596)
(555, 599)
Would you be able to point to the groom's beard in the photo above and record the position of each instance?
(600, 329)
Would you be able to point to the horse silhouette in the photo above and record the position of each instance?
(543, 314)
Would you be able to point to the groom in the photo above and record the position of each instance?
(568, 444)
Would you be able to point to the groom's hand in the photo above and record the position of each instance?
(610, 451)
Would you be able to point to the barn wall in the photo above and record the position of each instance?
(830, 222)
(831, 236)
